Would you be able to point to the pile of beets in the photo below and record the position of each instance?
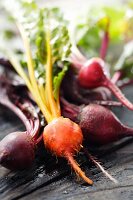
(85, 97)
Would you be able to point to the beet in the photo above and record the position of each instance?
(101, 126)
(17, 151)
(98, 123)
(93, 74)
(78, 94)
(64, 138)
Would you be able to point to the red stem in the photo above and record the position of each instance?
(18, 112)
(28, 109)
(116, 77)
(106, 103)
(75, 62)
(28, 116)
(70, 106)
(77, 58)
(104, 45)
(117, 92)
(78, 55)
(39, 139)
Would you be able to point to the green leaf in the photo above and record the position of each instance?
(58, 79)
(51, 20)
(89, 32)
(117, 18)
(40, 40)
(37, 22)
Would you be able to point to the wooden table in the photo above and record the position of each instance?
(52, 179)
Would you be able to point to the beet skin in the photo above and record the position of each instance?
(17, 151)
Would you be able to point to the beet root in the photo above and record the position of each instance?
(59, 145)
(63, 138)
(93, 74)
(17, 151)
(80, 95)
(101, 126)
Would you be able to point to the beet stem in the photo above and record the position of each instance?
(104, 45)
(116, 77)
(66, 104)
(36, 128)
(106, 103)
(18, 112)
(27, 116)
(116, 91)
(77, 58)
(75, 62)
(39, 139)
(77, 169)
(76, 52)
(32, 118)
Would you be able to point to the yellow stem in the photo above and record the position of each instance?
(35, 91)
(58, 104)
(43, 96)
(49, 88)
(19, 69)
(46, 98)
(29, 56)
(46, 114)
(21, 72)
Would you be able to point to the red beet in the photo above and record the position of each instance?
(93, 74)
(98, 123)
(80, 95)
(17, 151)
(101, 126)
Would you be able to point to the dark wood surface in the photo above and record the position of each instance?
(52, 179)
